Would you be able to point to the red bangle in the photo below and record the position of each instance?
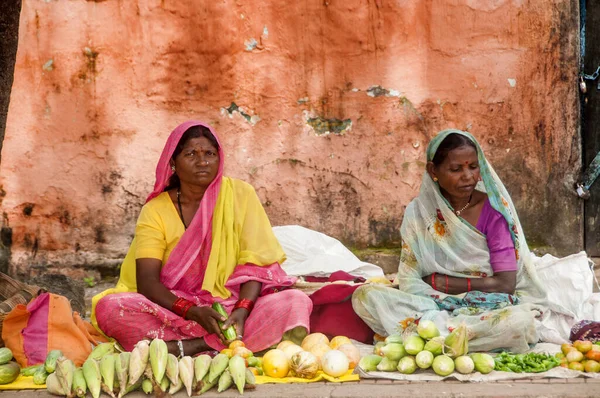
(446, 284)
(468, 284)
(244, 303)
(181, 306)
(433, 281)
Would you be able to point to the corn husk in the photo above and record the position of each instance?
(79, 384)
(217, 366)
(435, 345)
(121, 372)
(369, 363)
(51, 358)
(93, 379)
(176, 386)
(107, 371)
(65, 369)
(101, 350)
(138, 361)
(393, 351)
(378, 347)
(134, 387)
(225, 381)
(40, 376)
(158, 358)
(250, 379)
(201, 366)
(164, 384)
(387, 365)
(457, 342)
(186, 373)
(147, 386)
(172, 370)
(237, 368)
(394, 338)
(204, 385)
(53, 385)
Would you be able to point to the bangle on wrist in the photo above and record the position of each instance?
(245, 304)
(468, 284)
(446, 284)
(180, 346)
(181, 306)
(433, 281)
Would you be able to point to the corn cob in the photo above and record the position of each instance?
(186, 373)
(53, 386)
(229, 333)
(138, 361)
(217, 366)
(225, 381)
(101, 350)
(147, 386)
(30, 370)
(134, 387)
(51, 359)
(91, 373)
(40, 376)
(250, 378)
(158, 359)
(121, 368)
(237, 367)
(164, 384)
(172, 370)
(176, 386)
(79, 385)
(64, 371)
(107, 371)
(201, 366)
(204, 385)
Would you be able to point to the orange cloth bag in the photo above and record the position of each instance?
(48, 323)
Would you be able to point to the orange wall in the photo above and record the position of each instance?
(99, 86)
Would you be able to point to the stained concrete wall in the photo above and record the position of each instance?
(326, 107)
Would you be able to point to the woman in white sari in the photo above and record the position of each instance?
(465, 259)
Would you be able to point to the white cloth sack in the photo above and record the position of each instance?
(311, 253)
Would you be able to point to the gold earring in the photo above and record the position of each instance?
(435, 179)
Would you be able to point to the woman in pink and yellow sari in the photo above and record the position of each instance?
(200, 238)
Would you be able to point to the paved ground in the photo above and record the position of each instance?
(388, 388)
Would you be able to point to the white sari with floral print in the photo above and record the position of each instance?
(435, 239)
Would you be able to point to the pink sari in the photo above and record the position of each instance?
(130, 317)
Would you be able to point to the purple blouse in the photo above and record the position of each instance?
(492, 224)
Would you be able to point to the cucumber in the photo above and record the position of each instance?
(229, 333)
(51, 359)
(30, 370)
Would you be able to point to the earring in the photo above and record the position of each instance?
(435, 179)
(173, 168)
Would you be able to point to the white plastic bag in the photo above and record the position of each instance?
(313, 253)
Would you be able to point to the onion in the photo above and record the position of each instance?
(427, 330)
(335, 363)
(443, 365)
(414, 345)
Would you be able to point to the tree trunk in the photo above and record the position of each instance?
(10, 11)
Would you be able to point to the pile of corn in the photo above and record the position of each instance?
(149, 367)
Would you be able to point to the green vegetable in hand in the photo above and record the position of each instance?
(229, 333)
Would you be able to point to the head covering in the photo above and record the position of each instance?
(438, 240)
(195, 244)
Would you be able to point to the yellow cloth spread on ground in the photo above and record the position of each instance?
(321, 376)
(22, 383)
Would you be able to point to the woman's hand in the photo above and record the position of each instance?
(237, 319)
(427, 279)
(208, 318)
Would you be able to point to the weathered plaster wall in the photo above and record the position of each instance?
(99, 85)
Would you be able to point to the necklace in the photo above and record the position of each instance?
(464, 208)
(181, 211)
